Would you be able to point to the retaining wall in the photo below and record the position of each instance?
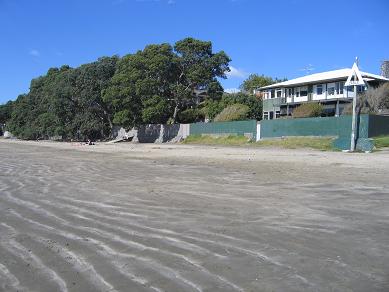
(154, 133)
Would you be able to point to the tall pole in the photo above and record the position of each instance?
(354, 120)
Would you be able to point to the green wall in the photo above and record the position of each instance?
(339, 127)
(378, 125)
(326, 126)
(225, 128)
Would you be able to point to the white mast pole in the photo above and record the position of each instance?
(354, 118)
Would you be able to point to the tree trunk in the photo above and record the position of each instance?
(108, 117)
(175, 113)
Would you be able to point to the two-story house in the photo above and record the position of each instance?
(327, 88)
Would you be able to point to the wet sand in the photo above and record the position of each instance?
(131, 217)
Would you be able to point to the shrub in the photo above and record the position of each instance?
(190, 116)
(235, 112)
(212, 108)
(373, 100)
(307, 110)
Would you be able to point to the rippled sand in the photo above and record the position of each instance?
(186, 218)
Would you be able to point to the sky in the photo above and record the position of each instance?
(277, 38)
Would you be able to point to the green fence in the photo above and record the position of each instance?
(326, 126)
(240, 128)
(378, 125)
(340, 127)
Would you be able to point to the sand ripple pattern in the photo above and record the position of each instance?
(72, 221)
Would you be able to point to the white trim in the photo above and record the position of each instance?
(323, 77)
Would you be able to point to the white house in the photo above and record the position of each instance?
(327, 88)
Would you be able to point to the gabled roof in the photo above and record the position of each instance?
(325, 76)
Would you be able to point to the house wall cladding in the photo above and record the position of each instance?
(239, 128)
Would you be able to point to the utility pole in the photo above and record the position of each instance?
(354, 79)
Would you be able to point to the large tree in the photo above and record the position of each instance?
(66, 102)
(159, 84)
(155, 84)
(90, 80)
(140, 89)
(5, 112)
(198, 70)
(255, 81)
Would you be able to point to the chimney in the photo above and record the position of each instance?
(385, 69)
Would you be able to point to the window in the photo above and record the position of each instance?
(266, 115)
(297, 91)
(339, 87)
(303, 91)
(331, 90)
(288, 92)
(277, 114)
(319, 89)
(279, 93)
(272, 94)
(360, 88)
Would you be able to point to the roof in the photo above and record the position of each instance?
(325, 76)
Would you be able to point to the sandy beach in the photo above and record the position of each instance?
(153, 217)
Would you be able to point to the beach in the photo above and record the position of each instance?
(172, 217)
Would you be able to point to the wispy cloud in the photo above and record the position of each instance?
(236, 73)
(34, 53)
(307, 69)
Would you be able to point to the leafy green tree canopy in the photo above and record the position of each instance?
(255, 81)
(153, 85)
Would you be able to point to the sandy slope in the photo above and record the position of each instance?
(130, 217)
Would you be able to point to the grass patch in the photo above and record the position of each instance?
(212, 140)
(381, 141)
(319, 143)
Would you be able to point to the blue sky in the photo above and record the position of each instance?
(275, 38)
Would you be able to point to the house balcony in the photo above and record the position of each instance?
(316, 98)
